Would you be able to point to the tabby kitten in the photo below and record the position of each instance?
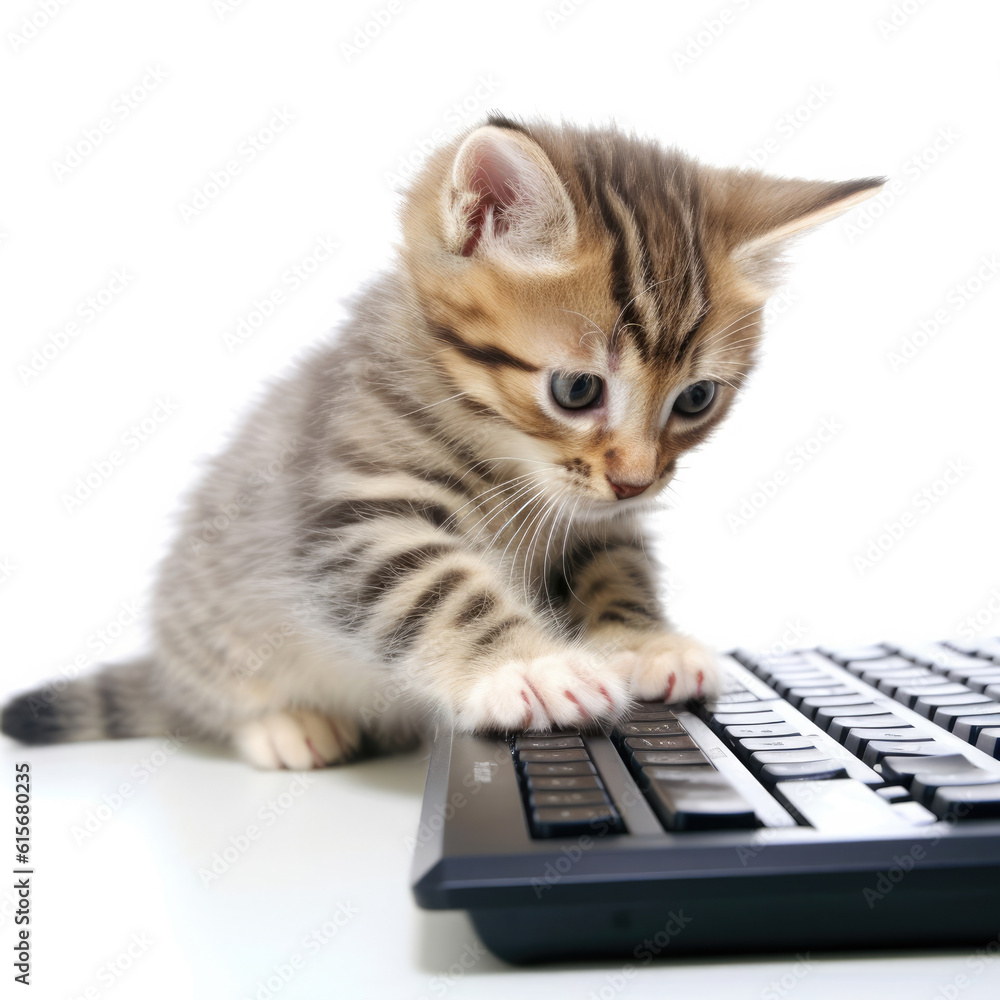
(437, 517)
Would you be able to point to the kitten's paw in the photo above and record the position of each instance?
(671, 667)
(297, 739)
(560, 689)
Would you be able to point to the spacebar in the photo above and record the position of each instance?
(839, 805)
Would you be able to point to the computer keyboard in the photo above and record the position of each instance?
(826, 798)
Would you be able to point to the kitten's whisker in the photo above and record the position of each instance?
(482, 525)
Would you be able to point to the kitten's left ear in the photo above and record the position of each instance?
(505, 202)
(762, 214)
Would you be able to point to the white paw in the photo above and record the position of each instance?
(560, 689)
(297, 739)
(671, 667)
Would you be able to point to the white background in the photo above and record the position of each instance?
(814, 90)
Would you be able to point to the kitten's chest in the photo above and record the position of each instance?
(529, 541)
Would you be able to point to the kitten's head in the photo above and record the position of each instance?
(597, 299)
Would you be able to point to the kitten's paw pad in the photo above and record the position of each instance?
(560, 689)
(672, 668)
(297, 739)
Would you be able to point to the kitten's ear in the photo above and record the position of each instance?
(762, 214)
(505, 202)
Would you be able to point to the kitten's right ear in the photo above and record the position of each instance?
(761, 214)
(506, 204)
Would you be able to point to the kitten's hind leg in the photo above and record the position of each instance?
(297, 739)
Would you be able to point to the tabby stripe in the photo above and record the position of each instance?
(561, 582)
(425, 605)
(631, 607)
(391, 572)
(644, 260)
(687, 342)
(441, 478)
(407, 407)
(621, 286)
(494, 632)
(478, 606)
(417, 414)
(484, 354)
(345, 513)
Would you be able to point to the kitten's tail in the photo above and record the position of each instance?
(116, 702)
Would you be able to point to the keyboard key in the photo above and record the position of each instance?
(890, 685)
(802, 770)
(547, 743)
(775, 729)
(823, 716)
(884, 663)
(798, 682)
(962, 802)
(902, 770)
(848, 654)
(839, 806)
(731, 698)
(664, 728)
(834, 691)
(776, 743)
(858, 739)
(934, 654)
(929, 704)
(809, 706)
(925, 784)
(560, 783)
(575, 768)
(949, 716)
(592, 797)
(874, 674)
(915, 813)
(986, 682)
(642, 757)
(645, 708)
(989, 741)
(753, 708)
(878, 749)
(909, 694)
(556, 733)
(569, 821)
(650, 743)
(723, 719)
(840, 727)
(762, 757)
(526, 757)
(699, 799)
(676, 758)
(893, 793)
(668, 743)
(989, 648)
(968, 727)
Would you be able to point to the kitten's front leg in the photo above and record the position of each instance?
(611, 595)
(461, 639)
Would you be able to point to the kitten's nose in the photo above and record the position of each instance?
(625, 490)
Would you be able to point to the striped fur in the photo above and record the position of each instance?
(409, 528)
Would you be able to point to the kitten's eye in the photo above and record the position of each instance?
(574, 392)
(696, 397)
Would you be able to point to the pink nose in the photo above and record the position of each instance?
(625, 490)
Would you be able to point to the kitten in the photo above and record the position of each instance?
(437, 517)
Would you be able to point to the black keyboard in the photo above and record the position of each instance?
(827, 798)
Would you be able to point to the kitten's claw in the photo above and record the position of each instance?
(671, 667)
(560, 689)
(298, 739)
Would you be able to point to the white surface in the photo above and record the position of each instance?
(338, 851)
(72, 582)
